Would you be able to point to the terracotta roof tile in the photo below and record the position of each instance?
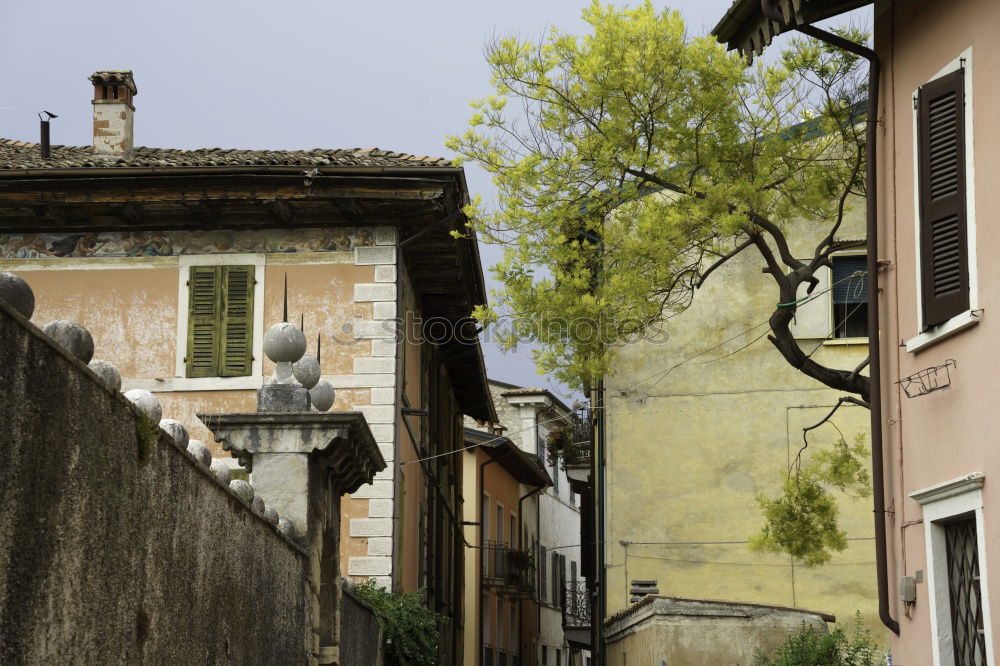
(25, 155)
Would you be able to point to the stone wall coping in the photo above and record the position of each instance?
(661, 605)
(163, 438)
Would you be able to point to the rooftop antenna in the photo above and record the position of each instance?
(284, 317)
(45, 144)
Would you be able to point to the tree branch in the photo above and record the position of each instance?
(805, 440)
(739, 248)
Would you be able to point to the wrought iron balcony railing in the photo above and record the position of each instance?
(576, 606)
(510, 571)
(570, 439)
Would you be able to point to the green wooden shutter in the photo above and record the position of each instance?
(236, 354)
(944, 263)
(204, 294)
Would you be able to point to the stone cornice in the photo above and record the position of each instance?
(959, 486)
(341, 441)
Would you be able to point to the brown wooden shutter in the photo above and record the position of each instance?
(204, 294)
(236, 349)
(944, 261)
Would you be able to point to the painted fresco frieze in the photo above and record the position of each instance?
(172, 243)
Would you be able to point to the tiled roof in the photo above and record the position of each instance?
(26, 155)
(123, 76)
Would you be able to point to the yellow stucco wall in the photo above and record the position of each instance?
(689, 449)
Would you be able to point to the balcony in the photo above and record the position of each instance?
(571, 441)
(576, 614)
(509, 571)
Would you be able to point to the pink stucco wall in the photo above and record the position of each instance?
(954, 432)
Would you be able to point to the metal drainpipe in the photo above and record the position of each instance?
(482, 543)
(874, 362)
(520, 528)
(602, 596)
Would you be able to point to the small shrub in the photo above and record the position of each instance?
(410, 630)
(809, 647)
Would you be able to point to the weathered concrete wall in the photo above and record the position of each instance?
(690, 448)
(115, 546)
(701, 633)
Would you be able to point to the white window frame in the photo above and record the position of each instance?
(863, 252)
(255, 379)
(940, 502)
(825, 277)
(970, 317)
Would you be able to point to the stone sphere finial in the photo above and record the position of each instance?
(73, 338)
(146, 402)
(322, 395)
(286, 527)
(221, 471)
(197, 450)
(242, 489)
(257, 505)
(284, 343)
(108, 374)
(307, 371)
(16, 293)
(177, 432)
(271, 514)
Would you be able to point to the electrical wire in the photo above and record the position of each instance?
(744, 564)
(661, 373)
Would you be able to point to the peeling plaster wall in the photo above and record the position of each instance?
(115, 548)
(132, 315)
(351, 296)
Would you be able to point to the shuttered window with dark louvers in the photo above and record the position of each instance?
(220, 321)
(944, 261)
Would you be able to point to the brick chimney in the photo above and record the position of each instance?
(113, 111)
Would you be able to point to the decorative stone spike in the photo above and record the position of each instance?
(242, 489)
(307, 371)
(322, 395)
(16, 293)
(257, 505)
(200, 452)
(286, 527)
(108, 373)
(73, 338)
(146, 402)
(221, 471)
(175, 429)
(271, 515)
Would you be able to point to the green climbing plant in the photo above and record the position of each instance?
(409, 628)
(803, 520)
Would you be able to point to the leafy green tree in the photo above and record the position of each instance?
(634, 161)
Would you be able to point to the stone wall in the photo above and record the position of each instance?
(360, 633)
(115, 545)
(697, 632)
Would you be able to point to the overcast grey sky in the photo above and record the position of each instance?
(393, 74)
